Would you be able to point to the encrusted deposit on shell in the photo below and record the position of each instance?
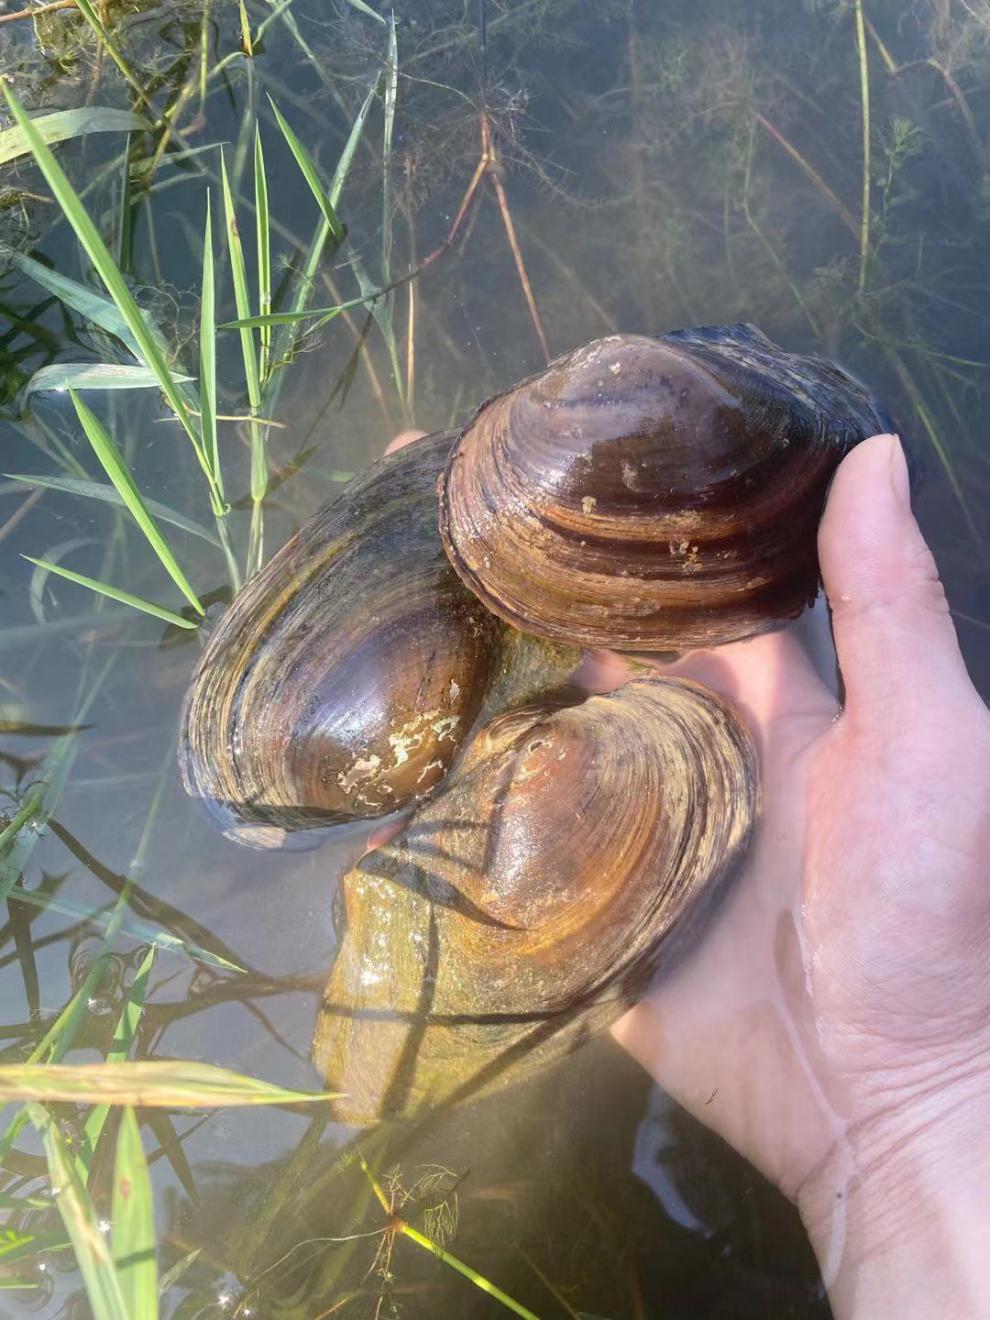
(650, 493)
(532, 898)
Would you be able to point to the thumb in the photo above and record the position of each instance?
(895, 640)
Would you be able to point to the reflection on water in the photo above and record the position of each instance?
(650, 168)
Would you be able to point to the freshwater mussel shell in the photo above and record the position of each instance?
(650, 493)
(346, 674)
(571, 854)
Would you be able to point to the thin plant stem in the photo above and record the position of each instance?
(33, 11)
(411, 348)
(847, 217)
(959, 96)
(864, 97)
(890, 64)
(100, 30)
(769, 248)
(204, 54)
(396, 1224)
(931, 430)
(455, 1263)
(510, 233)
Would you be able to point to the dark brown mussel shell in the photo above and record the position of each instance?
(653, 493)
(346, 674)
(570, 855)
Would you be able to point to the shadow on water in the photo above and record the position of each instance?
(585, 168)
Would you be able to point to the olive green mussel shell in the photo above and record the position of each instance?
(571, 854)
(346, 674)
(652, 493)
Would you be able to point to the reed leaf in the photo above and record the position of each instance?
(264, 252)
(114, 593)
(98, 490)
(116, 469)
(120, 1048)
(208, 353)
(51, 776)
(323, 314)
(102, 312)
(242, 300)
(310, 173)
(160, 1084)
(133, 1220)
(97, 251)
(79, 1216)
(286, 341)
(134, 927)
(62, 376)
(362, 8)
(63, 124)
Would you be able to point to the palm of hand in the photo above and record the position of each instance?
(721, 1032)
(831, 990)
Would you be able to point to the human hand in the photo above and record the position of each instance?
(834, 1025)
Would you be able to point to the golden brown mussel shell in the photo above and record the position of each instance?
(570, 853)
(652, 493)
(346, 674)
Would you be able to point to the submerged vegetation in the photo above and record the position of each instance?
(241, 243)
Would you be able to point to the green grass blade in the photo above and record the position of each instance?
(124, 255)
(293, 318)
(391, 92)
(351, 145)
(242, 297)
(264, 251)
(383, 309)
(30, 634)
(79, 1216)
(285, 343)
(479, 1280)
(106, 451)
(159, 1084)
(134, 927)
(242, 300)
(172, 1276)
(51, 777)
(310, 173)
(63, 124)
(88, 12)
(362, 8)
(120, 1048)
(59, 1037)
(101, 311)
(97, 251)
(29, 809)
(114, 593)
(133, 1219)
(99, 490)
(208, 353)
(91, 376)
(15, 1245)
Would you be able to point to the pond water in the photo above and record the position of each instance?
(655, 165)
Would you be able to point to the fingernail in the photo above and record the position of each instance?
(899, 479)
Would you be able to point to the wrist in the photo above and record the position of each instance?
(899, 1215)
